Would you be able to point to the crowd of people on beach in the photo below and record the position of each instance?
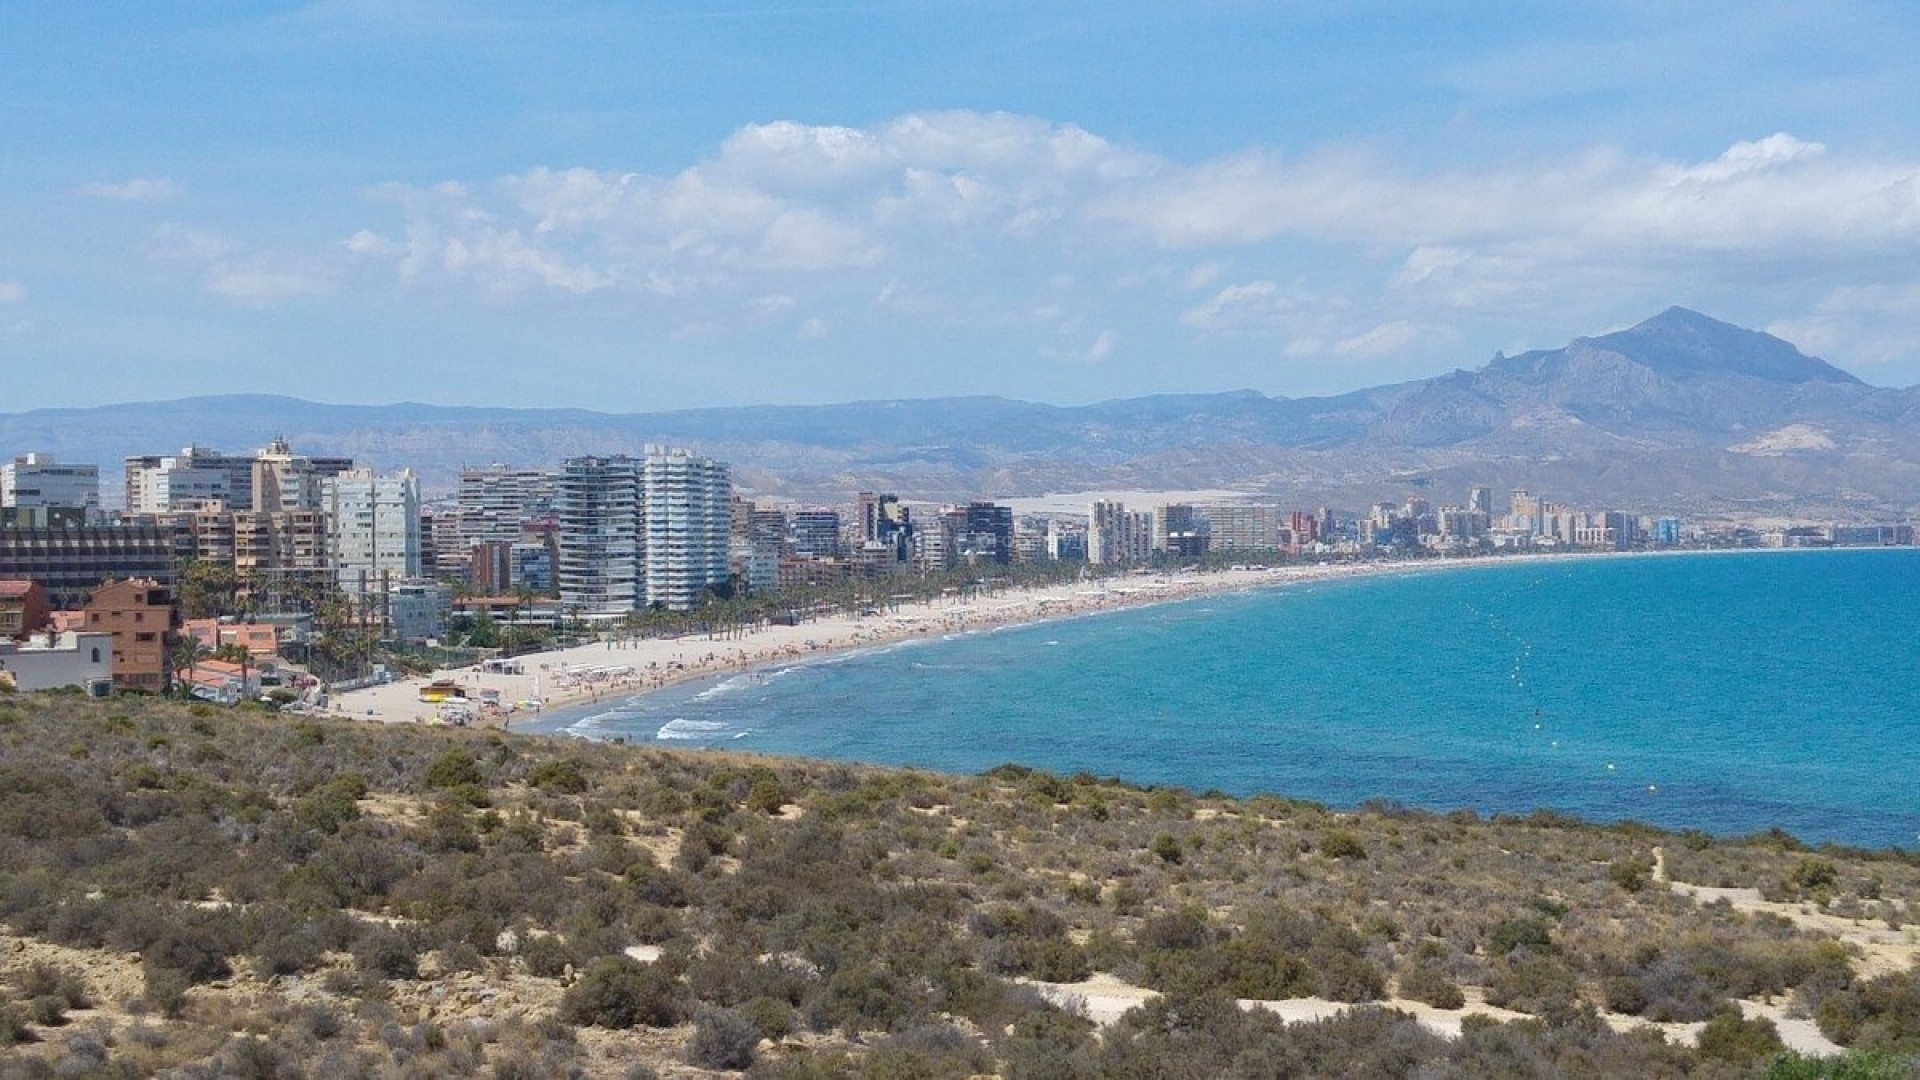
(622, 663)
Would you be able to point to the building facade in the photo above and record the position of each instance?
(37, 480)
(687, 515)
(373, 530)
(598, 504)
(140, 618)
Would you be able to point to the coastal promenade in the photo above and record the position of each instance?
(623, 666)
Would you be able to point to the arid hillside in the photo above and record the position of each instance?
(199, 892)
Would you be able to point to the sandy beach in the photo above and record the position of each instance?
(619, 667)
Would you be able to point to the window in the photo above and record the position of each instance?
(96, 654)
(148, 636)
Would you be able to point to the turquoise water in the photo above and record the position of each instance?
(1731, 693)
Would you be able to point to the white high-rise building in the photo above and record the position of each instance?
(639, 532)
(598, 503)
(1118, 535)
(687, 501)
(373, 529)
(36, 480)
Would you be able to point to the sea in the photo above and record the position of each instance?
(1728, 692)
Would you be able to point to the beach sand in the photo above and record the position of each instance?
(622, 667)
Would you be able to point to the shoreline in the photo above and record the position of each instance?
(620, 668)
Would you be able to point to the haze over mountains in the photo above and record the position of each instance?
(1681, 413)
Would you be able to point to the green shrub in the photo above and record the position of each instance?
(1425, 982)
(453, 767)
(46, 980)
(1342, 844)
(1630, 873)
(1519, 932)
(48, 1010)
(166, 990)
(564, 777)
(13, 1026)
(722, 1039)
(388, 953)
(1167, 848)
(1879, 1014)
(620, 992)
(1730, 1037)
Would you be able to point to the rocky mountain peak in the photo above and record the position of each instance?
(1686, 345)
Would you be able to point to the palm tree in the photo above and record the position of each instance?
(188, 651)
(236, 653)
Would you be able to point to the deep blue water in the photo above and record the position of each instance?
(1731, 693)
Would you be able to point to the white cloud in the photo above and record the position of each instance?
(137, 190)
(1750, 157)
(812, 329)
(12, 292)
(995, 220)
(1383, 340)
(1256, 308)
(228, 268)
(506, 263)
(368, 242)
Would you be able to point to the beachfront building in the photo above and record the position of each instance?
(884, 532)
(814, 532)
(686, 504)
(1243, 527)
(978, 532)
(598, 504)
(1066, 541)
(1116, 535)
(37, 480)
(373, 532)
(495, 502)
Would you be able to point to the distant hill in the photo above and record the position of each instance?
(1679, 413)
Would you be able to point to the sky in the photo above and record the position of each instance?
(640, 206)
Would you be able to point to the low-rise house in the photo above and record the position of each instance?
(23, 608)
(261, 640)
(49, 661)
(220, 681)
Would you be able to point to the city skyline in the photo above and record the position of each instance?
(651, 207)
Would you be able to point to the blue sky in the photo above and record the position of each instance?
(647, 205)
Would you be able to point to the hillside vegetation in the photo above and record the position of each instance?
(203, 892)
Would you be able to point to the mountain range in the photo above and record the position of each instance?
(1681, 413)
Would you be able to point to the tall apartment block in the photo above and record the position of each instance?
(598, 503)
(1118, 535)
(284, 480)
(494, 501)
(373, 529)
(687, 509)
(1243, 527)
